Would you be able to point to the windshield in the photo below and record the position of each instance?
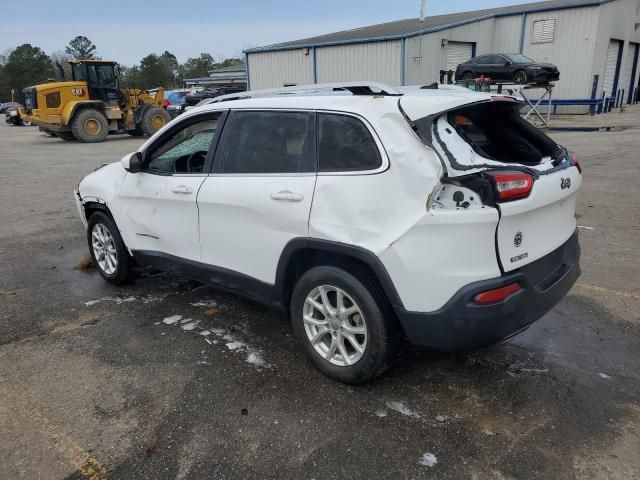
(95, 73)
(518, 58)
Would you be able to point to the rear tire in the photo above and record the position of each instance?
(356, 357)
(153, 120)
(108, 251)
(90, 126)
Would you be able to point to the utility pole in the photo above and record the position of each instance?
(423, 10)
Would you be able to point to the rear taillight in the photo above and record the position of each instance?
(496, 295)
(573, 159)
(512, 185)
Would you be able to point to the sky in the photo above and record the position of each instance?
(126, 31)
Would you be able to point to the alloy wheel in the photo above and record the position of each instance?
(104, 248)
(335, 325)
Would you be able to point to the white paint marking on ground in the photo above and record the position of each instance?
(235, 345)
(428, 459)
(403, 409)
(256, 359)
(205, 303)
(172, 319)
(120, 300)
(190, 326)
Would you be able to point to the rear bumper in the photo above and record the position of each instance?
(463, 325)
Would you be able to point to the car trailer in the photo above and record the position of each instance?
(483, 84)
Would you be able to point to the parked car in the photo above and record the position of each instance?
(509, 67)
(6, 107)
(439, 214)
(197, 98)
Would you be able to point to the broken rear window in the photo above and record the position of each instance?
(496, 131)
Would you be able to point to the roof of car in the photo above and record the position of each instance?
(415, 26)
(416, 101)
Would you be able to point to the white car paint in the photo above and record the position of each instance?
(430, 250)
(247, 220)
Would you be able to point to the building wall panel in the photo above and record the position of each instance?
(616, 22)
(572, 48)
(275, 69)
(377, 61)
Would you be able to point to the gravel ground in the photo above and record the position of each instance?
(97, 382)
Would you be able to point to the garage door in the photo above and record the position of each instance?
(458, 52)
(611, 69)
(630, 85)
(627, 68)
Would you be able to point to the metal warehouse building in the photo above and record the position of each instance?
(591, 41)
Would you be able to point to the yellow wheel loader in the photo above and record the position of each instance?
(92, 105)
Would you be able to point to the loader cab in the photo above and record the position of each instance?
(101, 77)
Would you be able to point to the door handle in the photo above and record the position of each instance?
(183, 189)
(287, 196)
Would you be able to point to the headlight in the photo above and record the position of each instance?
(535, 68)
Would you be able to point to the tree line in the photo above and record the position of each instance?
(28, 65)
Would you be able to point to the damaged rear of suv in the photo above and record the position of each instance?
(519, 188)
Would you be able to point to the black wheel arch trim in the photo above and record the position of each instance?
(264, 292)
(332, 247)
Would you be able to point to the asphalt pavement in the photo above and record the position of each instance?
(100, 382)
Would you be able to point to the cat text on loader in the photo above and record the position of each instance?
(92, 105)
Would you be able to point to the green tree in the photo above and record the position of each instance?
(170, 67)
(25, 66)
(197, 67)
(229, 62)
(81, 47)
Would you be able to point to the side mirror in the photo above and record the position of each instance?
(132, 162)
(507, 64)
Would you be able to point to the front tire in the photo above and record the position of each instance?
(520, 77)
(341, 326)
(108, 251)
(90, 126)
(153, 120)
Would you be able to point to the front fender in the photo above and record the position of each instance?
(70, 109)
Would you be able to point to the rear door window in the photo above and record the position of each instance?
(269, 142)
(345, 144)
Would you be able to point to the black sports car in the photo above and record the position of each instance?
(507, 67)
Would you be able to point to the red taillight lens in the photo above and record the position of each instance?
(573, 159)
(497, 295)
(512, 185)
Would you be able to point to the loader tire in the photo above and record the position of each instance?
(154, 119)
(90, 126)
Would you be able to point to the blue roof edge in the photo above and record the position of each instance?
(276, 48)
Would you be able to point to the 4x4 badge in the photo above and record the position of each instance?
(565, 183)
(517, 240)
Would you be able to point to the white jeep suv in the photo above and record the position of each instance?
(370, 213)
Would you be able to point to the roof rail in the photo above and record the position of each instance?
(356, 88)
